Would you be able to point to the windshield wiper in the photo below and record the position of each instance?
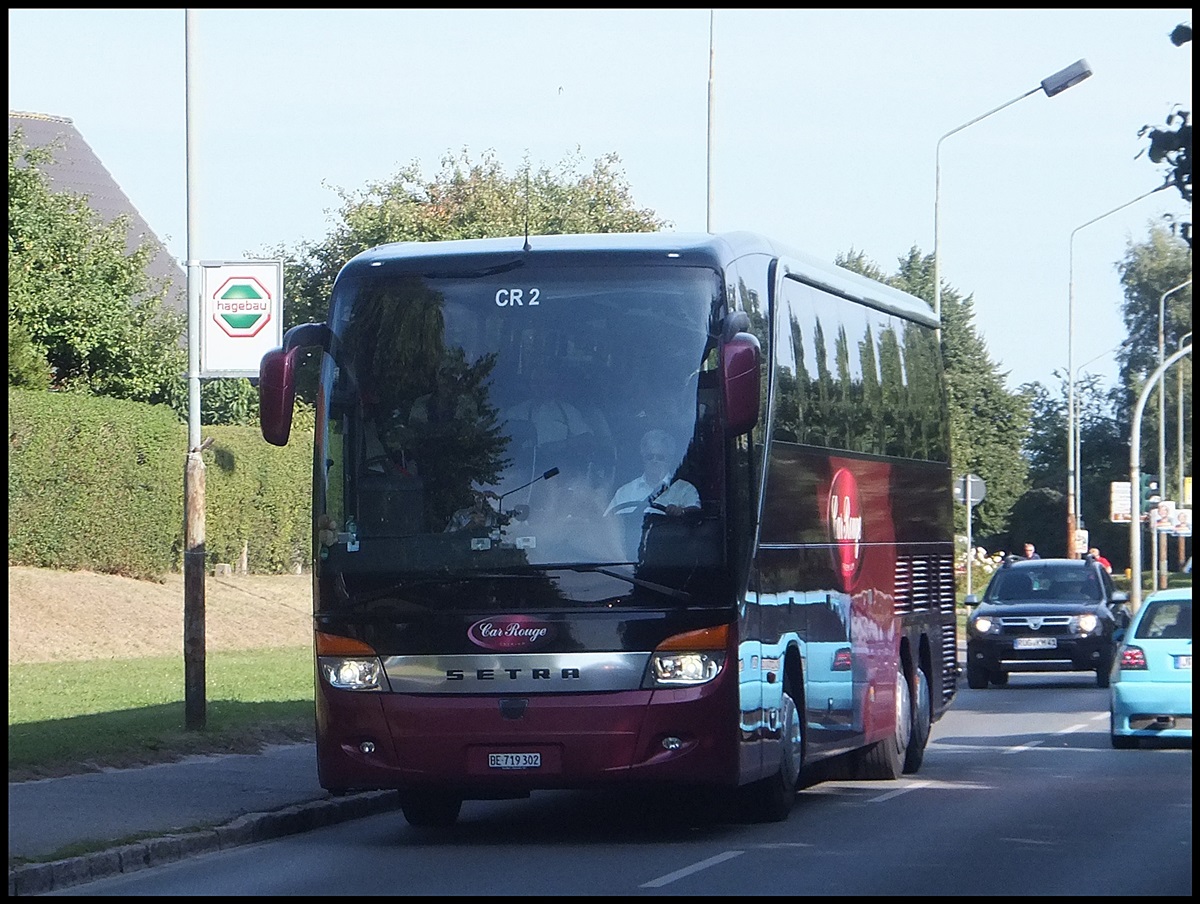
(606, 568)
(356, 600)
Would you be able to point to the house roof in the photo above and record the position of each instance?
(76, 169)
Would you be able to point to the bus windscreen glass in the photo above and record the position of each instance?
(522, 422)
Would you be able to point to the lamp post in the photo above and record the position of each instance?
(1073, 509)
(1078, 439)
(1135, 467)
(1052, 85)
(1182, 541)
(1179, 413)
(1161, 548)
(708, 159)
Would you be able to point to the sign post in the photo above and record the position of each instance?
(970, 491)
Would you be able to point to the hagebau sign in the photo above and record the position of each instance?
(241, 315)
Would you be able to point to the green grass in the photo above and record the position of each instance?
(64, 717)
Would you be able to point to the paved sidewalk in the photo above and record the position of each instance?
(136, 818)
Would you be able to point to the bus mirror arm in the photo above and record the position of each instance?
(545, 475)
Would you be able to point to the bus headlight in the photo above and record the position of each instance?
(348, 663)
(352, 674)
(688, 659)
(685, 668)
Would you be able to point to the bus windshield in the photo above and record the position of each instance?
(537, 418)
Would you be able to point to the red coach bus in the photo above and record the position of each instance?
(622, 509)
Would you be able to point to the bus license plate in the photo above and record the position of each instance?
(514, 760)
(1183, 662)
(1035, 643)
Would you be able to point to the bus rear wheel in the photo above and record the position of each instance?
(922, 711)
(884, 760)
(430, 809)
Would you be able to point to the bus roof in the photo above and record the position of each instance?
(696, 249)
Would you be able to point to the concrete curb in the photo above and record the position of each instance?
(39, 878)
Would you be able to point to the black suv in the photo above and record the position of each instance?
(1045, 615)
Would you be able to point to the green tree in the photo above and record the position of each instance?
(466, 199)
(1148, 270)
(1103, 458)
(1172, 144)
(78, 298)
(988, 423)
(27, 367)
(1038, 517)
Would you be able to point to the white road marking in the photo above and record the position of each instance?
(882, 797)
(689, 870)
(1021, 748)
(1031, 841)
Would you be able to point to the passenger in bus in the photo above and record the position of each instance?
(555, 419)
(479, 514)
(653, 490)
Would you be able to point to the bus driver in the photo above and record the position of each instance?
(653, 490)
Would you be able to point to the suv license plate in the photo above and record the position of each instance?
(514, 760)
(1035, 643)
(1183, 662)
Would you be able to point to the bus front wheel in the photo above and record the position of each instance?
(430, 809)
(771, 799)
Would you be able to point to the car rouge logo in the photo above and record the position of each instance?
(509, 632)
(845, 527)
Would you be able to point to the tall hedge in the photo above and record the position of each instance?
(97, 483)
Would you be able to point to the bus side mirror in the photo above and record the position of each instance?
(277, 379)
(277, 394)
(740, 382)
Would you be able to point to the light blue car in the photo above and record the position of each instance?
(1151, 686)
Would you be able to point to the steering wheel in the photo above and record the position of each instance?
(383, 462)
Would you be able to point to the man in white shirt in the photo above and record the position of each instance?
(654, 490)
(554, 419)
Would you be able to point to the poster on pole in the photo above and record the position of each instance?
(1120, 502)
(241, 315)
(1164, 516)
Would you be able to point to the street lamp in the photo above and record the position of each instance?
(1078, 440)
(1161, 548)
(1135, 467)
(708, 158)
(1073, 510)
(1054, 84)
(1179, 415)
(1182, 542)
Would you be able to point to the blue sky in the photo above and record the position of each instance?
(825, 126)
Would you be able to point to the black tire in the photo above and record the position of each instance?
(999, 679)
(1124, 742)
(771, 799)
(430, 809)
(884, 760)
(977, 677)
(1104, 672)
(922, 711)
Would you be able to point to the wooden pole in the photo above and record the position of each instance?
(195, 695)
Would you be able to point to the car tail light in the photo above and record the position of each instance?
(1133, 658)
(842, 660)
